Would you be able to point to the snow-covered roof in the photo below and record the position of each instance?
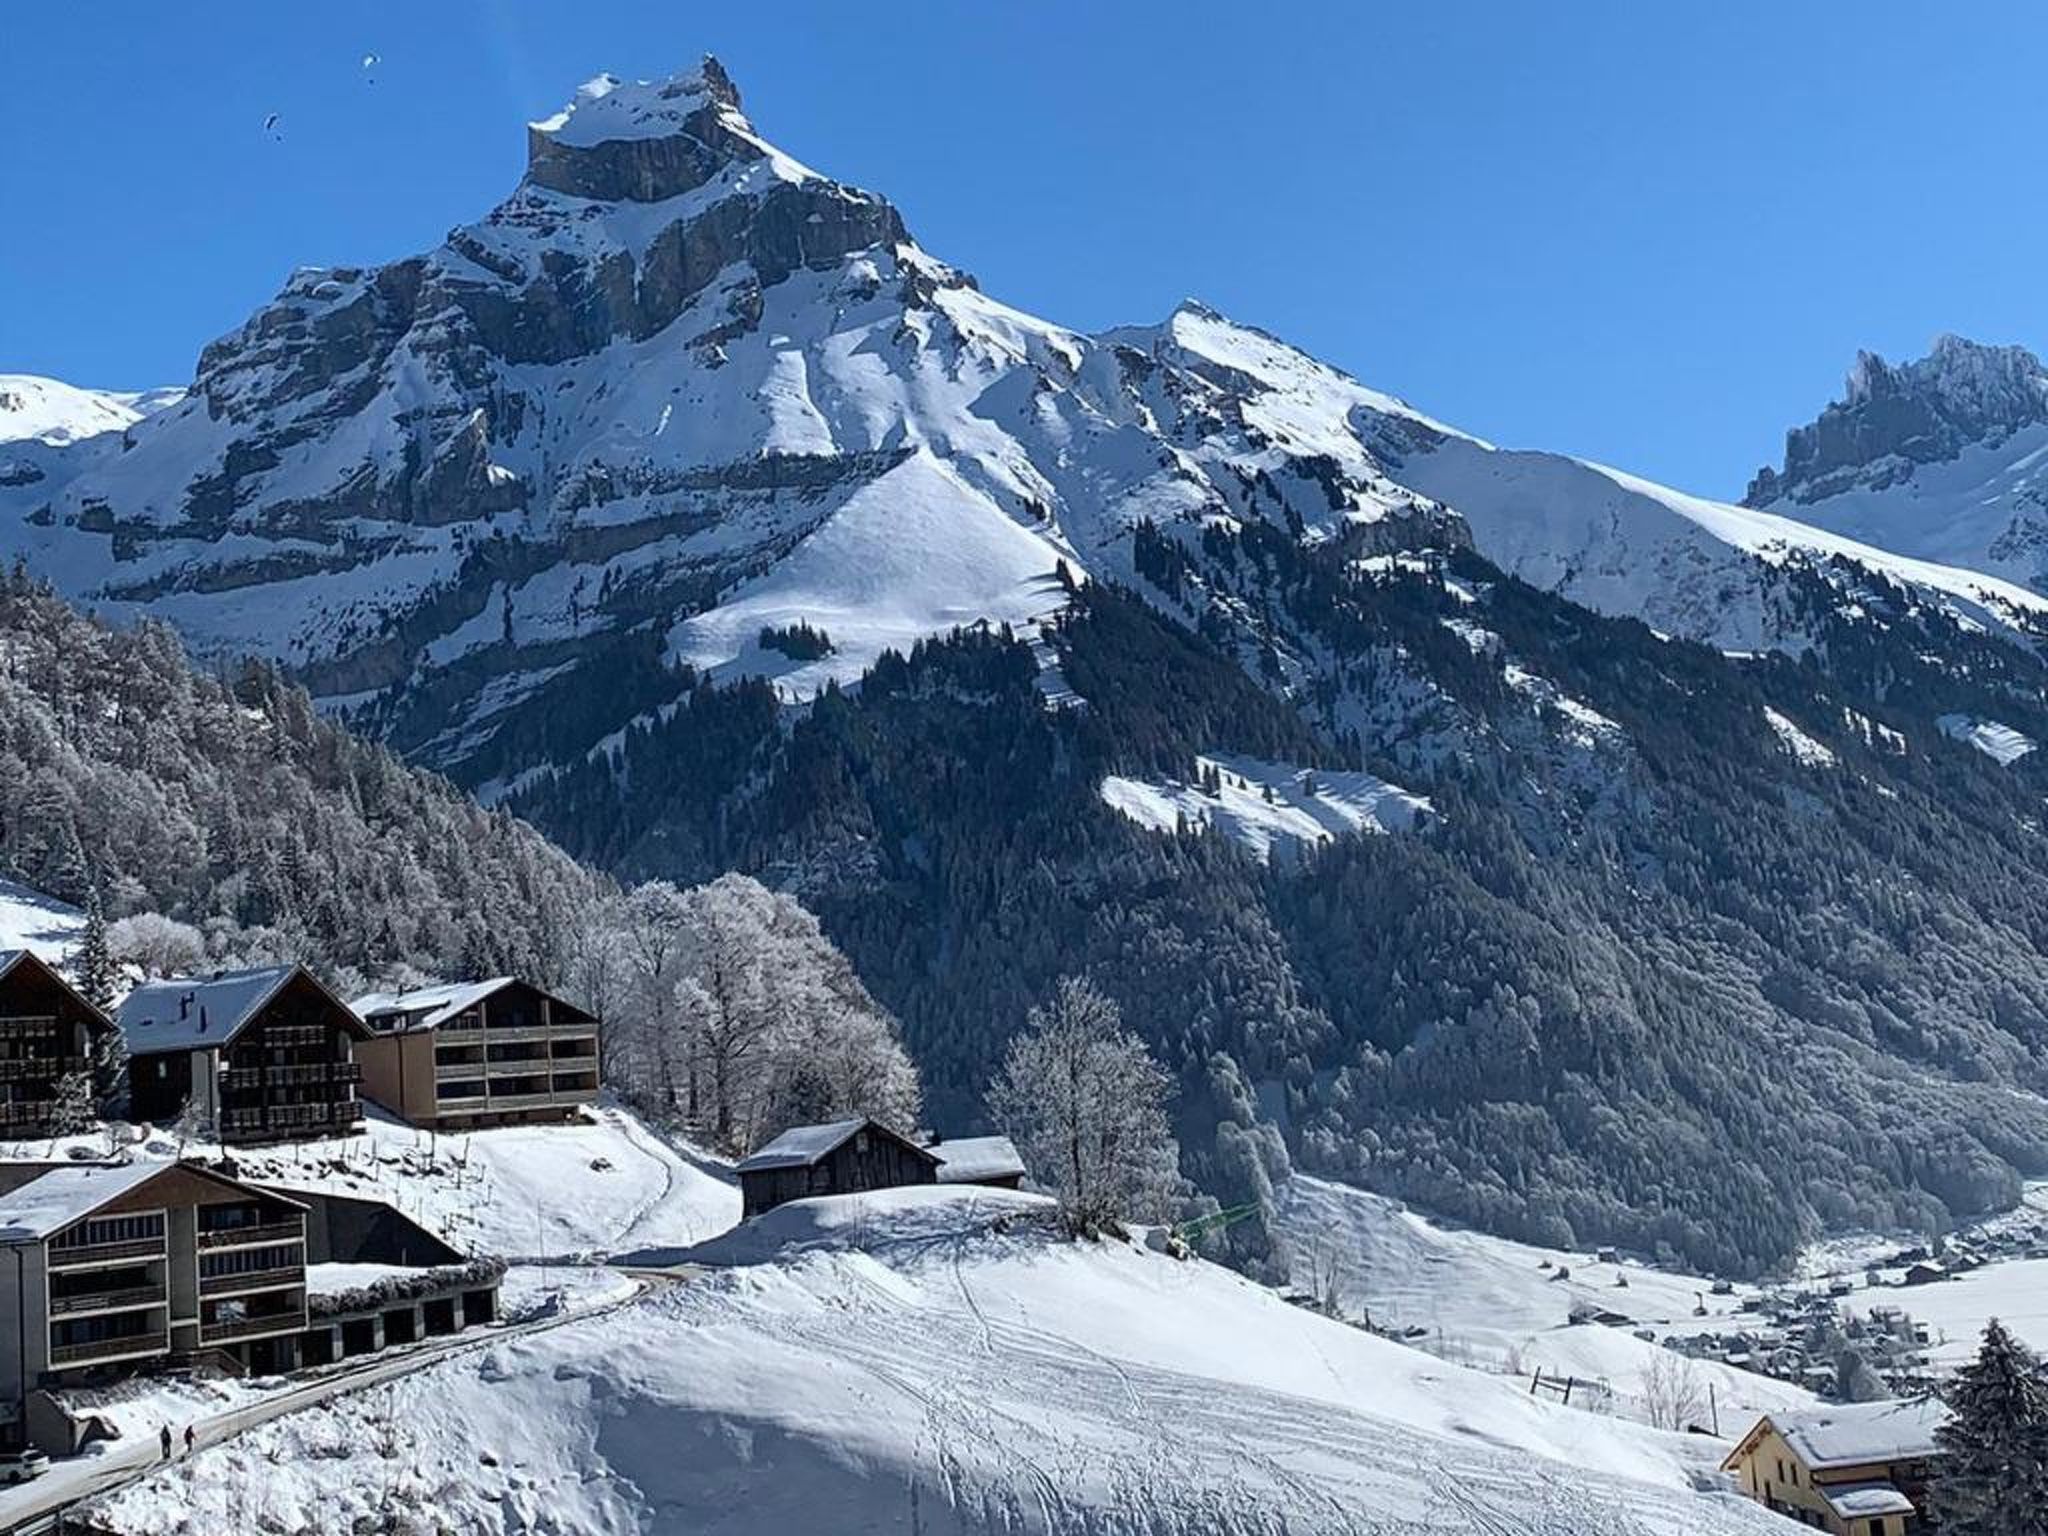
(195, 1011)
(972, 1159)
(435, 1005)
(802, 1145)
(1860, 1501)
(1850, 1434)
(67, 1192)
(8, 957)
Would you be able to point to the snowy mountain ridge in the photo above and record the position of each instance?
(1944, 458)
(681, 386)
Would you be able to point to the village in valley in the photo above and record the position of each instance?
(306, 1202)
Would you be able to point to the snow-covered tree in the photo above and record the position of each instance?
(92, 966)
(73, 1111)
(1992, 1478)
(158, 945)
(1086, 1104)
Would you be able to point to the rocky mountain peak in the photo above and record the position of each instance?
(647, 140)
(1893, 417)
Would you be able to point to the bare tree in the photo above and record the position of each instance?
(1086, 1104)
(1671, 1392)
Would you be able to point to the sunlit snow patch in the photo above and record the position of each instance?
(1997, 741)
(42, 924)
(1804, 749)
(1306, 805)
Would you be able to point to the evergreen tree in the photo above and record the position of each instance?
(1992, 1478)
(92, 964)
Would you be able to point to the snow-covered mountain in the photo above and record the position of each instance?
(1945, 458)
(50, 411)
(680, 385)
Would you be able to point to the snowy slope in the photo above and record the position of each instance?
(30, 920)
(905, 1369)
(53, 412)
(1262, 805)
(1506, 1306)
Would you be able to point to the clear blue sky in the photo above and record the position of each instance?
(1649, 233)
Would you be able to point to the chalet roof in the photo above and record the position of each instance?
(1860, 1501)
(1857, 1434)
(973, 1159)
(10, 958)
(55, 1199)
(203, 1011)
(802, 1145)
(439, 1004)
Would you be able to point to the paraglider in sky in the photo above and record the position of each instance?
(371, 61)
(270, 125)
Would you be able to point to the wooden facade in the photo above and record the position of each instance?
(840, 1159)
(46, 1033)
(281, 1069)
(502, 1052)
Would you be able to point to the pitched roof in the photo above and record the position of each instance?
(1850, 1434)
(439, 1004)
(802, 1145)
(195, 1011)
(10, 958)
(971, 1159)
(52, 1200)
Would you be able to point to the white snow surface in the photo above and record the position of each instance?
(46, 927)
(1502, 1306)
(903, 1365)
(1997, 741)
(1308, 806)
(35, 409)
(1805, 750)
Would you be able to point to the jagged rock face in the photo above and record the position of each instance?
(1892, 419)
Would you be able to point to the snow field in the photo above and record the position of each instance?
(1307, 806)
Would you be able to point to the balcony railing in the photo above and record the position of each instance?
(17, 1069)
(252, 1280)
(252, 1327)
(568, 1091)
(108, 1301)
(28, 1024)
(101, 1253)
(110, 1349)
(252, 1236)
(519, 1066)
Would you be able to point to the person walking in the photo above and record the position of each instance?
(165, 1437)
(188, 1439)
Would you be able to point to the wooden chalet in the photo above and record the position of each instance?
(497, 1052)
(266, 1055)
(46, 1033)
(840, 1158)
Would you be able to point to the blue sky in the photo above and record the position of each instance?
(1652, 234)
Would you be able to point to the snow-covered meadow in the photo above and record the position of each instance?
(938, 1360)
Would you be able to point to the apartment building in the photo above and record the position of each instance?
(476, 1053)
(46, 1034)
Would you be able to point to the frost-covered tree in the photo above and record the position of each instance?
(731, 1010)
(73, 1110)
(1992, 1477)
(158, 946)
(1086, 1104)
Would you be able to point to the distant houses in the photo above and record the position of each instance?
(843, 1157)
(47, 1033)
(1854, 1469)
(262, 1055)
(478, 1053)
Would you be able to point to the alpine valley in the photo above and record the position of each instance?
(1583, 859)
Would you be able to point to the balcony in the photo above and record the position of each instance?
(19, 1069)
(74, 1255)
(464, 1031)
(568, 1090)
(252, 1280)
(252, 1327)
(108, 1301)
(253, 1236)
(124, 1348)
(519, 1066)
(503, 1101)
(20, 1024)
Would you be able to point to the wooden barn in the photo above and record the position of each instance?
(841, 1158)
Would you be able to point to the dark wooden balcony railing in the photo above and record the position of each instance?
(108, 1301)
